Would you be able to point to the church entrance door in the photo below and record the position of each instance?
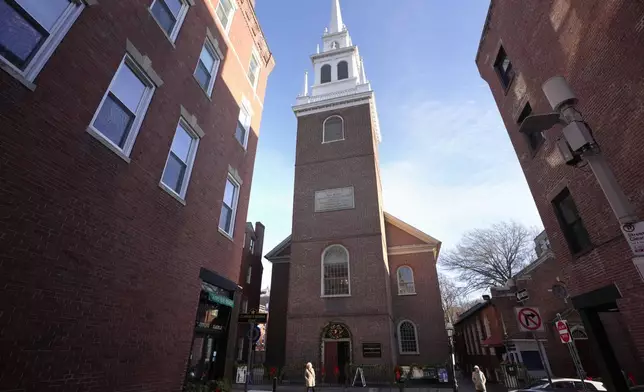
(337, 353)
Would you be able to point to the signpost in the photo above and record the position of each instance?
(529, 319)
(522, 295)
(564, 332)
(566, 338)
(252, 318)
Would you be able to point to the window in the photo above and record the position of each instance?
(229, 206)
(224, 11)
(240, 349)
(407, 338)
(31, 31)
(333, 129)
(120, 113)
(406, 281)
(169, 14)
(532, 360)
(207, 66)
(181, 157)
(535, 138)
(343, 70)
(504, 68)
(335, 271)
(325, 74)
(243, 126)
(249, 274)
(251, 247)
(578, 333)
(570, 222)
(253, 69)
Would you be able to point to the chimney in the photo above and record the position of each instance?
(259, 239)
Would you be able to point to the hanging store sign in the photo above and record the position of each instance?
(220, 299)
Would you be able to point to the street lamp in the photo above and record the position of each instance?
(450, 334)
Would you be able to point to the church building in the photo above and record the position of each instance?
(351, 284)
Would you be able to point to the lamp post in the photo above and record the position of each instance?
(450, 334)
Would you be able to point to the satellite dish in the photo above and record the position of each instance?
(560, 291)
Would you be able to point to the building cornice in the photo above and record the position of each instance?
(332, 53)
(248, 11)
(337, 100)
(410, 249)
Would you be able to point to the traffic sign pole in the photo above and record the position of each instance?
(574, 354)
(542, 355)
(250, 352)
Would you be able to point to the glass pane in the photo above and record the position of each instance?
(207, 59)
(19, 40)
(202, 76)
(222, 15)
(114, 121)
(336, 255)
(325, 76)
(225, 219)
(333, 130)
(45, 12)
(174, 6)
(174, 172)
(252, 69)
(181, 143)
(568, 210)
(163, 16)
(128, 88)
(227, 5)
(404, 275)
(240, 133)
(229, 193)
(343, 70)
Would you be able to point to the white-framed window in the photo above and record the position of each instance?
(243, 125)
(251, 246)
(336, 278)
(249, 274)
(333, 129)
(225, 12)
(119, 115)
(578, 332)
(253, 69)
(406, 280)
(181, 158)
(30, 31)
(170, 15)
(407, 337)
(229, 206)
(207, 66)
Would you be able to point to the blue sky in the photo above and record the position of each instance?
(446, 160)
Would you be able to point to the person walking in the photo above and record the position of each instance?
(309, 375)
(478, 378)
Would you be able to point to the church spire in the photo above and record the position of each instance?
(336, 24)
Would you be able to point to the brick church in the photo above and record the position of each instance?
(352, 284)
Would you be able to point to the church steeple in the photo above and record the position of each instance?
(336, 24)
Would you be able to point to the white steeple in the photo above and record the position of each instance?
(336, 24)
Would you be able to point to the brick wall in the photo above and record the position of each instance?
(596, 46)
(99, 265)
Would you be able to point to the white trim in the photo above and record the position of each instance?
(255, 54)
(578, 328)
(230, 177)
(172, 193)
(192, 154)
(324, 129)
(139, 115)
(245, 106)
(212, 48)
(231, 15)
(40, 58)
(410, 249)
(322, 295)
(172, 37)
(339, 102)
(413, 280)
(400, 351)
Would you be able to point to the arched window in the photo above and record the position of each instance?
(325, 74)
(343, 70)
(335, 271)
(406, 281)
(578, 332)
(407, 337)
(333, 129)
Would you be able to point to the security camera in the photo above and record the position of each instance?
(558, 92)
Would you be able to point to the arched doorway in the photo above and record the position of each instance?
(336, 352)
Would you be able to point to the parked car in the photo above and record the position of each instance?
(571, 384)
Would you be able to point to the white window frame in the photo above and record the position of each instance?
(231, 15)
(212, 49)
(40, 58)
(254, 54)
(400, 349)
(245, 107)
(139, 115)
(192, 154)
(249, 273)
(179, 22)
(251, 246)
(402, 291)
(324, 141)
(237, 184)
(578, 328)
(322, 273)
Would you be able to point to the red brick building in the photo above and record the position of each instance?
(127, 143)
(352, 284)
(596, 46)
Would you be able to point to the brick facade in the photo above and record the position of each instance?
(101, 267)
(596, 46)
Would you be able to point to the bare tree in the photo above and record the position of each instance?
(453, 297)
(489, 257)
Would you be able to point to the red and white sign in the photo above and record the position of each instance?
(529, 319)
(564, 332)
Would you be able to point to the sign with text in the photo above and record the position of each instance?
(529, 319)
(564, 331)
(334, 199)
(371, 350)
(257, 318)
(522, 295)
(634, 233)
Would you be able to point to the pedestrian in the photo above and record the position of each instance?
(478, 378)
(309, 375)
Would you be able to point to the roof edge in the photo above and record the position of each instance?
(273, 254)
(486, 27)
(409, 229)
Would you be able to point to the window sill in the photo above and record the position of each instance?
(162, 30)
(172, 193)
(333, 141)
(225, 234)
(416, 353)
(17, 75)
(336, 296)
(582, 253)
(209, 96)
(99, 136)
(406, 294)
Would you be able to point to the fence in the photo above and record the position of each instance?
(516, 376)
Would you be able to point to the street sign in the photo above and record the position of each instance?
(257, 318)
(634, 233)
(522, 295)
(564, 332)
(254, 334)
(529, 319)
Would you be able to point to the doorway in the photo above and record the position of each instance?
(337, 357)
